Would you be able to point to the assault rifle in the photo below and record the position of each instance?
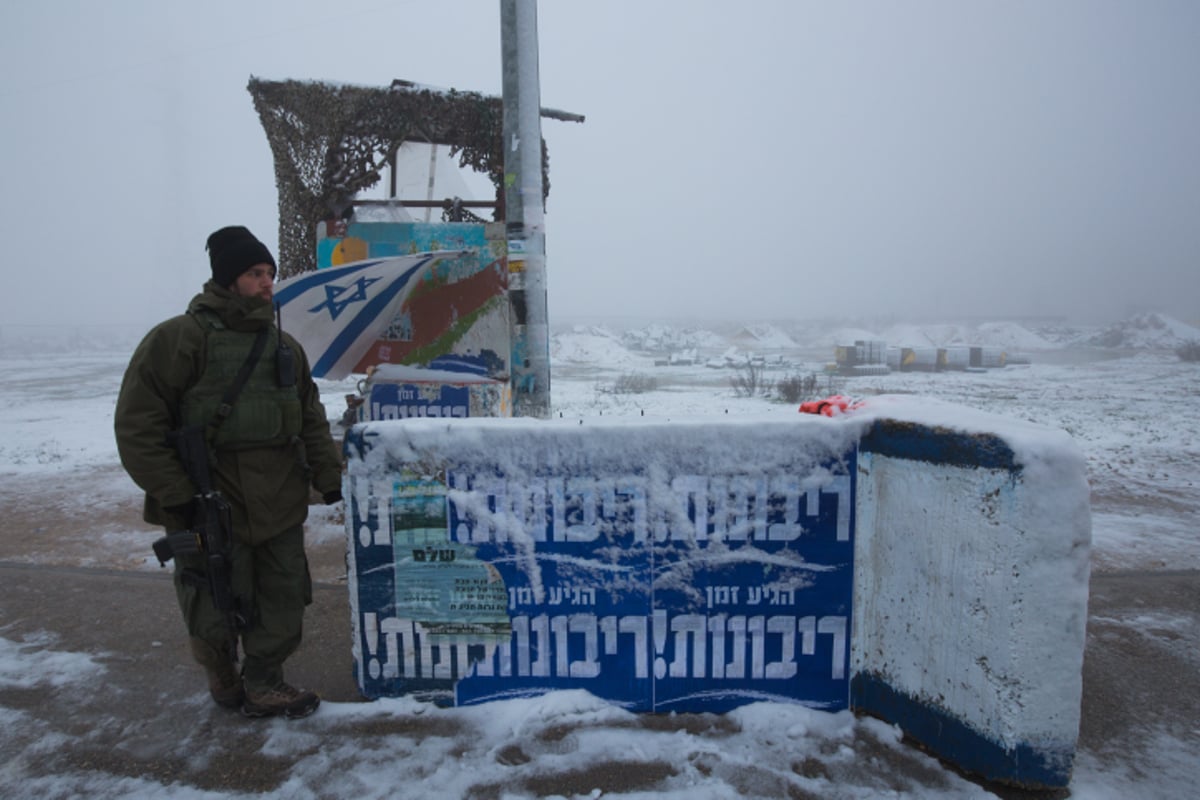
(210, 534)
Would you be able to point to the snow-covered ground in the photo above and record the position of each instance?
(1121, 392)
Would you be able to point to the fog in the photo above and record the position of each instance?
(772, 159)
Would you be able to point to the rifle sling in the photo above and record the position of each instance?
(239, 381)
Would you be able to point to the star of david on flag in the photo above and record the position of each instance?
(336, 299)
(337, 313)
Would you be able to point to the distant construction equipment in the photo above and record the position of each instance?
(875, 357)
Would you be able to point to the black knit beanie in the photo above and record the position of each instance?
(232, 251)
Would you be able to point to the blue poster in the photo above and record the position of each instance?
(691, 592)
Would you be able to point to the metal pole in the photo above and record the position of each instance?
(524, 210)
(429, 186)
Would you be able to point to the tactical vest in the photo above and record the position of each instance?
(264, 415)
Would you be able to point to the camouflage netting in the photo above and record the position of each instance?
(330, 141)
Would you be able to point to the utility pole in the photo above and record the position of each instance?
(524, 209)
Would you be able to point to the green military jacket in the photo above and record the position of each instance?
(264, 481)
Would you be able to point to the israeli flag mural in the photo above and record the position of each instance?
(336, 313)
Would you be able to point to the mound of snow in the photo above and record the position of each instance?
(1146, 332)
(658, 337)
(824, 336)
(589, 346)
(602, 331)
(1009, 336)
(764, 336)
(913, 336)
(938, 335)
(1064, 334)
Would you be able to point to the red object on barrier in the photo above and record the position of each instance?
(830, 406)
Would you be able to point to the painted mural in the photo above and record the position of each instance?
(458, 319)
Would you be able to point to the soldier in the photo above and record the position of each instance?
(265, 449)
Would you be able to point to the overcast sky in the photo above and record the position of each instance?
(764, 159)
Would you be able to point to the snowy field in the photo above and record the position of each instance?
(1121, 392)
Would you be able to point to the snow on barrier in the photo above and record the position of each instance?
(924, 564)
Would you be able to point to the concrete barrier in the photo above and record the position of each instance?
(971, 574)
(924, 564)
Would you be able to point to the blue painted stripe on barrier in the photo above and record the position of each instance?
(917, 442)
(949, 738)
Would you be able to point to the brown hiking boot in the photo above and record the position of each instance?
(226, 695)
(224, 682)
(281, 700)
